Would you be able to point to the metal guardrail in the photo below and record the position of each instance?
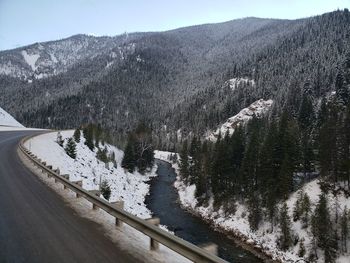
(184, 248)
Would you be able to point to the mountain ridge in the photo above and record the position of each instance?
(176, 77)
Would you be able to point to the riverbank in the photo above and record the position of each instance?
(187, 202)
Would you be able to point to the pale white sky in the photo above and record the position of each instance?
(23, 22)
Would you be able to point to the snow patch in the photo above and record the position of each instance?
(235, 82)
(257, 108)
(31, 59)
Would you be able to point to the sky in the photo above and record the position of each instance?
(24, 22)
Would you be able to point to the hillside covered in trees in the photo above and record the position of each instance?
(177, 80)
(270, 158)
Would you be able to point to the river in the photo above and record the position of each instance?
(163, 202)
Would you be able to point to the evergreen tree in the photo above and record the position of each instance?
(184, 162)
(342, 91)
(202, 180)
(195, 161)
(305, 209)
(77, 135)
(250, 163)
(286, 178)
(97, 134)
(325, 235)
(286, 235)
(71, 148)
(129, 159)
(328, 144)
(89, 138)
(323, 221)
(102, 155)
(306, 113)
(344, 225)
(297, 210)
(268, 171)
(302, 251)
(105, 190)
(255, 213)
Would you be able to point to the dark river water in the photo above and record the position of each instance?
(162, 201)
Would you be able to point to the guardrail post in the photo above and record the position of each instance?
(97, 193)
(80, 183)
(43, 163)
(66, 176)
(57, 171)
(120, 205)
(49, 167)
(154, 245)
(211, 248)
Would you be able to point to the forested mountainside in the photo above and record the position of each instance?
(282, 181)
(177, 79)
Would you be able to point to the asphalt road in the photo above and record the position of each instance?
(36, 225)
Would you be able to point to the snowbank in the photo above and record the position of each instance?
(132, 188)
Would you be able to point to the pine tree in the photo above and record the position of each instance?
(71, 148)
(323, 221)
(286, 235)
(105, 190)
(343, 147)
(305, 208)
(330, 251)
(344, 225)
(250, 163)
(202, 180)
(302, 251)
(342, 91)
(286, 178)
(306, 113)
(77, 135)
(88, 135)
(102, 155)
(297, 210)
(255, 213)
(97, 134)
(184, 162)
(328, 144)
(325, 234)
(268, 171)
(129, 159)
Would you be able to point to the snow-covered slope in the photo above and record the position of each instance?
(45, 59)
(257, 108)
(7, 120)
(129, 187)
(264, 238)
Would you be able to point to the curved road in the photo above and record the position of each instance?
(36, 225)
